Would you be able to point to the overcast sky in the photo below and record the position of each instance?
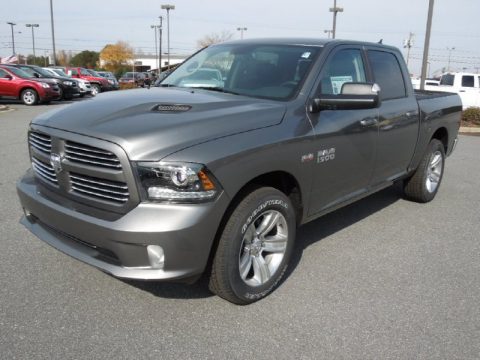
(90, 25)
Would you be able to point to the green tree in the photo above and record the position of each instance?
(86, 58)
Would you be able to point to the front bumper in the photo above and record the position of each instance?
(184, 231)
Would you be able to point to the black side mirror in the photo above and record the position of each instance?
(37, 75)
(353, 96)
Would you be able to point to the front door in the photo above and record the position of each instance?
(345, 140)
(7, 88)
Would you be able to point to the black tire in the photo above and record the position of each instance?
(423, 185)
(29, 97)
(259, 207)
(82, 95)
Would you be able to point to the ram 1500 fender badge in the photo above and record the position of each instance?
(325, 155)
(307, 158)
(56, 162)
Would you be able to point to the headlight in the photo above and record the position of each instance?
(45, 85)
(111, 82)
(68, 83)
(176, 182)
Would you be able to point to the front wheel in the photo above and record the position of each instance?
(255, 247)
(423, 185)
(95, 89)
(29, 97)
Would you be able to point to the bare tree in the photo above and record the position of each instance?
(214, 38)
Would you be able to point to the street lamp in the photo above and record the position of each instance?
(407, 44)
(450, 49)
(33, 39)
(241, 29)
(53, 34)
(328, 32)
(13, 36)
(168, 8)
(160, 30)
(155, 27)
(335, 10)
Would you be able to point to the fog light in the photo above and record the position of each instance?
(156, 256)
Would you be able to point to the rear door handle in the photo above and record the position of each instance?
(368, 122)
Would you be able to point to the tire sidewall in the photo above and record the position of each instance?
(255, 206)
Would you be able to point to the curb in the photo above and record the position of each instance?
(469, 130)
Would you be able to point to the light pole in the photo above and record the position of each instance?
(155, 27)
(53, 34)
(168, 8)
(328, 32)
(450, 49)
(335, 10)
(13, 36)
(33, 39)
(408, 45)
(241, 29)
(426, 45)
(160, 30)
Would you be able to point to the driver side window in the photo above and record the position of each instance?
(345, 66)
(3, 73)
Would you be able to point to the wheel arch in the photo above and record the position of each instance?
(441, 134)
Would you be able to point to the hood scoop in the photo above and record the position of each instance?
(171, 108)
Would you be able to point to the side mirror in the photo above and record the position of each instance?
(353, 96)
(8, 77)
(37, 75)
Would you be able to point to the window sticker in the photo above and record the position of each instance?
(306, 54)
(338, 81)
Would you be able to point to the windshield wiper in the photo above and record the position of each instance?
(167, 85)
(215, 88)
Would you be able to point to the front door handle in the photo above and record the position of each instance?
(368, 122)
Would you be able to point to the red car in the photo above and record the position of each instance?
(98, 83)
(16, 83)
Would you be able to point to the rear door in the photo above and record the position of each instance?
(399, 118)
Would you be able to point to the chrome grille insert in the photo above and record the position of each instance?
(99, 188)
(85, 154)
(44, 171)
(40, 142)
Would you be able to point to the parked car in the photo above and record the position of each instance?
(162, 76)
(68, 87)
(97, 82)
(168, 183)
(18, 84)
(466, 85)
(111, 79)
(83, 85)
(136, 78)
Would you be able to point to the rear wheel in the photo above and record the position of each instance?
(254, 248)
(423, 185)
(29, 97)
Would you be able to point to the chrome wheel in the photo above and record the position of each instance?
(95, 90)
(263, 248)
(29, 97)
(434, 172)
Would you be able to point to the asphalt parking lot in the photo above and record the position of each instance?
(383, 278)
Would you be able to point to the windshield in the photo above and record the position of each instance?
(20, 73)
(60, 72)
(265, 71)
(93, 72)
(128, 75)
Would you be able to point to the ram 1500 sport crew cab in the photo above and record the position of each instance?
(215, 173)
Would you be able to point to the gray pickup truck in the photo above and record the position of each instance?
(214, 170)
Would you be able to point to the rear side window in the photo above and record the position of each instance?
(74, 72)
(345, 66)
(3, 73)
(447, 79)
(388, 74)
(468, 81)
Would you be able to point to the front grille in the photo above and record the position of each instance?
(41, 142)
(99, 188)
(44, 171)
(85, 154)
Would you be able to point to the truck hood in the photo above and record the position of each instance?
(133, 119)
